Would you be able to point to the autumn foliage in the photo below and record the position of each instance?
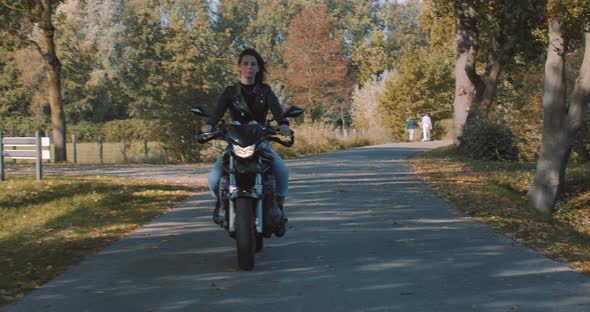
(316, 67)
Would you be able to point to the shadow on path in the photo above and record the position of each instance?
(364, 235)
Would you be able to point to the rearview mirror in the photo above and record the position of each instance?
(198, 110)
(293, 111)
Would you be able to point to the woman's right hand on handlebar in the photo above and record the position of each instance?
(206, 128)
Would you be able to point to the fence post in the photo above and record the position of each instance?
(13, 134)
(38, 160)
(123, 142)
(74, 149)
(46, 133)
(145, 149)
(100, 159)
(1, 158)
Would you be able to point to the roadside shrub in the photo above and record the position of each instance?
(128, 129)
(519, 104)
(581, 148)
(488, 140)
(85, 131)
(23, 125)
(310, 138)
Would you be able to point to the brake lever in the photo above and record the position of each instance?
(204, 137)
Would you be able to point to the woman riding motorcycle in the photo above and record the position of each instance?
(250, 100)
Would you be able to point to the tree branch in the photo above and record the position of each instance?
(28, 42)
(14, 8)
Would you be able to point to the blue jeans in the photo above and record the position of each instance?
(279, 170)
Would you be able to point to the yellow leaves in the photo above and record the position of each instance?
(493, 193)
(69, 218)
(572, 13)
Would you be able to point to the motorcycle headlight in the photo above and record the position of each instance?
(244, 152)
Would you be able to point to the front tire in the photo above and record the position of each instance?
(245, 232)
(259, 243)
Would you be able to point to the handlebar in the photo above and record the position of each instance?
(204, 137)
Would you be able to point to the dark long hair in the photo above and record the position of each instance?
(261, 74)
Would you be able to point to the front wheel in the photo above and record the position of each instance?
(259, 243)
(245, 232)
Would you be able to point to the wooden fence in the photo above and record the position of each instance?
(30, 148)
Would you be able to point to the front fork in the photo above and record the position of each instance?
(233, 194)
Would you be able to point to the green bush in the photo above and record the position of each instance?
(128, 129)
(487, 139)
(23, 125)
(85, 131)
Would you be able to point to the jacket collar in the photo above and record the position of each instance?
(240, 103)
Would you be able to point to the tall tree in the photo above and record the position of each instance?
(389, 28)
(140, 74)
(20, 18)
(355, 19)
(561, 120)
(423, 83)
(489, 33)
(401, 22)
(268, 33)
(188, 74)
(509, 30)
(88, 39)
(316, 67)
(14, 93)
(466, 45)
(371, 57)
(231, 25)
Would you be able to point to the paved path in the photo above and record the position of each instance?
(365, 235)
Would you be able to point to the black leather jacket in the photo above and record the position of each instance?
(241, 111)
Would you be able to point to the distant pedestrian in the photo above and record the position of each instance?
(426, 124)
(411, 127)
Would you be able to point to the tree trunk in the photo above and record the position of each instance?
(490, 82)
(466, 51)
(580, 96)
(559, 122)
(58, 119)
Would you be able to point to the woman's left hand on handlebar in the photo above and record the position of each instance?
(284, 130)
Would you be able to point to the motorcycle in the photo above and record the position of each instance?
(246, 197)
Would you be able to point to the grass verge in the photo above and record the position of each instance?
(47, 227)
(495, 193)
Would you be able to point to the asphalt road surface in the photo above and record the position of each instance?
(364, 235)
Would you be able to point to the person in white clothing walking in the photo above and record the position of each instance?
(426, 124)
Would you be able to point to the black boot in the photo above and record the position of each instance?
(216, 217)
(281, 227)
(280, 202)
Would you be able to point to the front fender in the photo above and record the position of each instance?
(246, 194)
